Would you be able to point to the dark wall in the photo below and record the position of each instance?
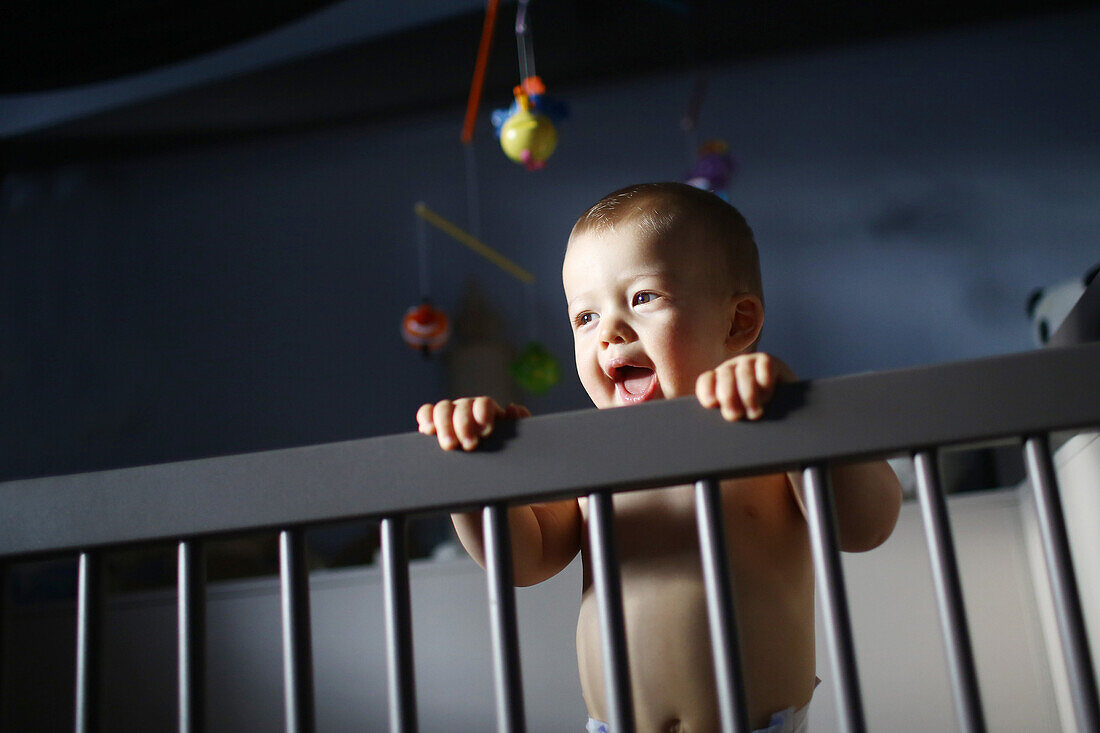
(906, 196)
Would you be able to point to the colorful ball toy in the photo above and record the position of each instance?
(536, 370)
(425, 328)
(528, 138)
(526, 129)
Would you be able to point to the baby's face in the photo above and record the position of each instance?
(648, 315)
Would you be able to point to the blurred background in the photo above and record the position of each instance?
(207, 238)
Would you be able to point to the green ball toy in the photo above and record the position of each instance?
(536, 370)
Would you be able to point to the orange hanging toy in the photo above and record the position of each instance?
(425, 328)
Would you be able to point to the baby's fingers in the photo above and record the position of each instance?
(727, 394)
(514, 411)
(463, 422)
(474, 418)
(424, 421)
(716, 388)
(486, 411)
(742, 386)
(443, 418)
(704, 389)
(767, 372)
(752, 393)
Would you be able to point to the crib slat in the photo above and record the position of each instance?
(609, 597)
(89, 608)
(723, 624)
(825, 542)
(4, 600)
(502, 619)
(1063, 585)
(192, 636)
(945, 573)
(399, 647)
(297, 648)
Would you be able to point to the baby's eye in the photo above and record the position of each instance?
(584, 319)
(643, 298)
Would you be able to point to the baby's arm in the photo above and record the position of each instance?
(545, 537)
(867, 495)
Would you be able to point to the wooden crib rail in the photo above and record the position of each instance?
(656, 444)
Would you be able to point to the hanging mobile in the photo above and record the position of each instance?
(473, 203)
(536, 369)
(526, 129)
(714, 166)
(424, 327)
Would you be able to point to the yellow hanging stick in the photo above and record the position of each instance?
(473, 243)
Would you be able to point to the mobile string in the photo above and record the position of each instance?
(524, 45)
(526, 129)
(424, 327)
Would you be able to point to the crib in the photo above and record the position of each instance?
(1020, 398)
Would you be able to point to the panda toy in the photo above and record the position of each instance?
(1048, 307)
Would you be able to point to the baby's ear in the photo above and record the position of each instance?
(746, 321)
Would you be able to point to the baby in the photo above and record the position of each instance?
(663, 288)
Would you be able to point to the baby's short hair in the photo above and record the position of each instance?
(658, 209)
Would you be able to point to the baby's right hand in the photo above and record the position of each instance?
(465, 421)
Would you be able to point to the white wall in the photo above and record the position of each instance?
(900, 655)
(1077, 464)
(899, 648)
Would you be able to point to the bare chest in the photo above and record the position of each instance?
(658, 528)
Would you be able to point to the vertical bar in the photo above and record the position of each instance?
(89, 606)
(723, 623)
(502, 619)
(945, 573)
(297, 649)
(4, 601)
(1063, 585)
(824, 539)
(609, 597)
(191, 571)
(399, 647)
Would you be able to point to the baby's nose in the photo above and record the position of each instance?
(614, 330)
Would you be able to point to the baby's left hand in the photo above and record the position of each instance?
(741, 386)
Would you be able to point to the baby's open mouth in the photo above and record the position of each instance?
(634, 383)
